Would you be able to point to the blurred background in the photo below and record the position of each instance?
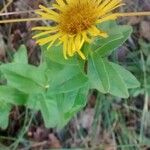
(107, 122)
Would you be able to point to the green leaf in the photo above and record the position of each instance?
(129, 79)
(34, 101)
(108, 25)
(67, 105)
(117, 84)
(4, 111)
(47, 105)
(70, 103)
(66, 78)
(24, 77)
(55, 54)
(105, 78)
(21, 55)
(58, 109)
(50, 112)
(100, 44)
(80, 100)
(13, 96)
(117, 35)
(94, 74)
(53, 68)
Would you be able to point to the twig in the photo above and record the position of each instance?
(6, 6)
(37, 19)
(130, 14)
(18, 12)
(20, 20)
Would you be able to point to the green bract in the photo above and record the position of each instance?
(58, 87)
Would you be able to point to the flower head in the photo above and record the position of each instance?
(75, 23)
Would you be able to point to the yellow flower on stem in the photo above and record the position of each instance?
(74, 23)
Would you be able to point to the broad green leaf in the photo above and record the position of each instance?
(105, 78)
(34, 101)
(24, 77)
(4, 111)
(53, 68)
(68, 104)
(47, 105)
(80, 101)
(50, 112)
(129, 79)
(117, 84)
(66, 101)
(94, 74)
(13, 96)
(108, 25)
(117, 35)
(21, 55)
(58, 109)
(103, 43)
(55, 54)
(68, 78)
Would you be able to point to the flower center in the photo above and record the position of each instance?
(78, 17)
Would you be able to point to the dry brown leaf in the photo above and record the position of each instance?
(54, 142)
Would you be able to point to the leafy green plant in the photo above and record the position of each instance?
(58, 88)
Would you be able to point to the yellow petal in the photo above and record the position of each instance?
(44, 28)
(78, 41)
(46, 40)
(106, 18)
(51, 12)
(61, 2)
(86, 38)
(47, 16)
(81, 54)
(42, 34)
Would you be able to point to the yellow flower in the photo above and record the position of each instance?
(74, 23)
